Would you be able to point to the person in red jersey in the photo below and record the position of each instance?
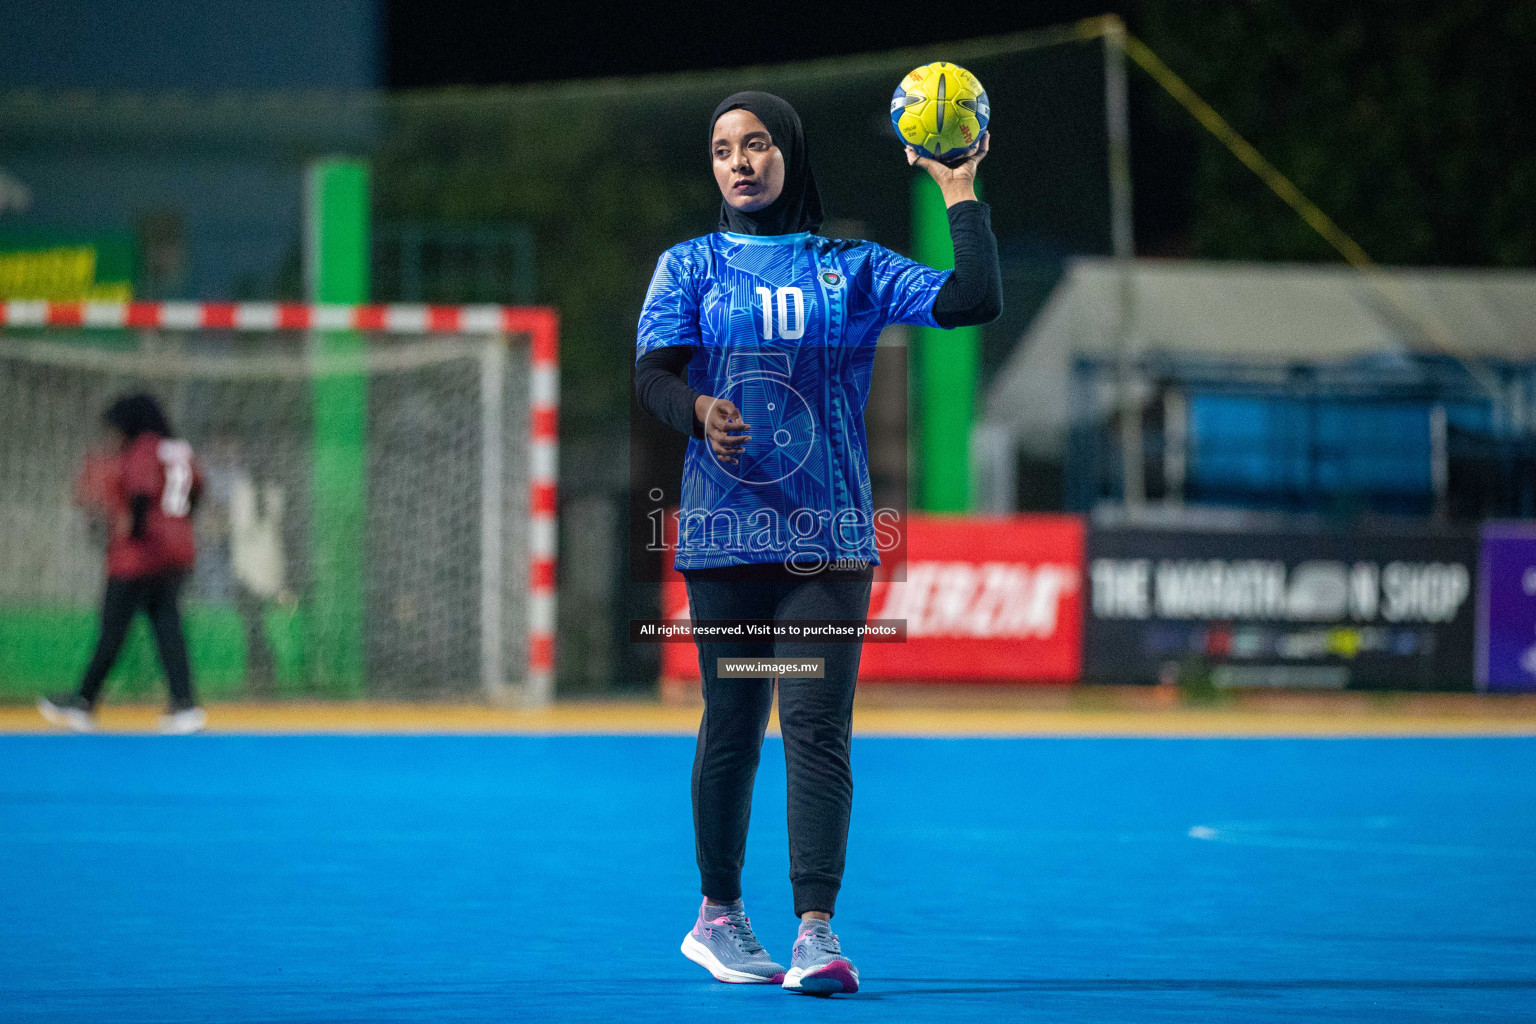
(147, 491)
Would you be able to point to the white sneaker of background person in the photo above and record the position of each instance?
(722, 943)
(183, 721)
(69, 710)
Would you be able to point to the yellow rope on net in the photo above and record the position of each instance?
(1433, 330)
(1240, 147)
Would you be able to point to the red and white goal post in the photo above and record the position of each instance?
(438, 579)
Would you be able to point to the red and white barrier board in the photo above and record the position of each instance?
(984, 599)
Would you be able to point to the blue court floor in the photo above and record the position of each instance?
(320, 878)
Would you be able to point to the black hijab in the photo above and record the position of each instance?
(798, 207)
(138, 414)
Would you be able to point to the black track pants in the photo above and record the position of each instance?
(815, 716)
(157, 595)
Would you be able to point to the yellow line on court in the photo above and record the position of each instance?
(649, 718)
(616, 718)
(1174, 723)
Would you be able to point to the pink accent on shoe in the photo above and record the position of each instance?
(723, 919)
(834, 970)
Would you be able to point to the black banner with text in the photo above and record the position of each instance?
(1367, 610)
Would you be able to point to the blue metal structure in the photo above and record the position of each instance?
(1392, 434)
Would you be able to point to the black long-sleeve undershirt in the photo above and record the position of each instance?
(972, 295)
(662, 391)
(138, 515)
(974, 292)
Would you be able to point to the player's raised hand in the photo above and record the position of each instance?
(957, 180)
(723, 427)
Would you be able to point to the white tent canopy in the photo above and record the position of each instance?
(1253, 313)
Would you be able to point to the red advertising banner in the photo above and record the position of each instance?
(984, 599)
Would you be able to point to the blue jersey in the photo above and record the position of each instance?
(784, 326)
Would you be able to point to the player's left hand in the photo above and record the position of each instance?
(957, 180)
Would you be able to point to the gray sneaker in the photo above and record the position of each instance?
(723, 944)
(817, 966)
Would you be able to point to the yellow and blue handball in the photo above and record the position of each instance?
(940, 110)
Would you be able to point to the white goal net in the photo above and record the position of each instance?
(376, 521)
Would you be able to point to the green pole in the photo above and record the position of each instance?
(337, 263)
(946, 371)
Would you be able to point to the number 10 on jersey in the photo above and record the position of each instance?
(787, 297)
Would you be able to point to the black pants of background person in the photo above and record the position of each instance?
(157, 595)
(815, 718)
